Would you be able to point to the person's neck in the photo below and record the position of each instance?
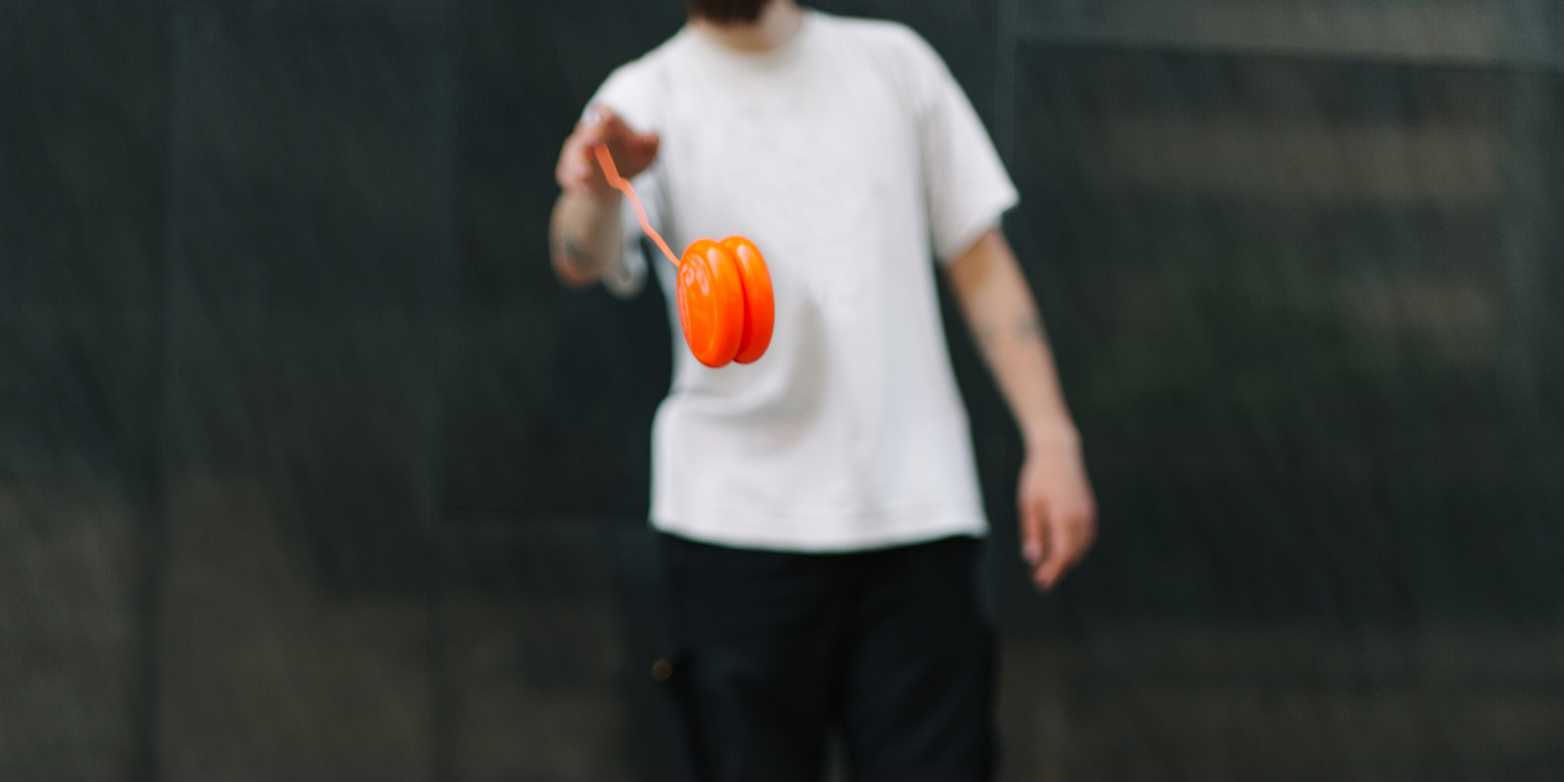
(775, 27)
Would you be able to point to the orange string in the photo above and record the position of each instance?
(611, 173)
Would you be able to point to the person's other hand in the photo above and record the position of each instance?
(578, 171)
(1058, 514)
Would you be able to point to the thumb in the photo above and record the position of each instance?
(598, 125)
(1034, 543)
(1061, 553)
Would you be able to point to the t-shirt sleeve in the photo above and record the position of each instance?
(627, 93)
(966, 187)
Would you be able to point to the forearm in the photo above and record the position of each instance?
(1003, 318)
(585, 242)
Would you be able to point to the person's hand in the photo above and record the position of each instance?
(578, 171)
(1057, 511)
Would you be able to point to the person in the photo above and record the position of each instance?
(818, 510)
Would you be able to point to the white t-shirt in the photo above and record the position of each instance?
(850, 156)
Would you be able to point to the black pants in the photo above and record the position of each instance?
(886, 649)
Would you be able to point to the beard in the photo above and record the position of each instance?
(727, 11)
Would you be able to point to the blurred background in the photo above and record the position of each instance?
(310, 470)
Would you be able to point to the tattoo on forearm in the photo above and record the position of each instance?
(576, 254)
(1026, 329)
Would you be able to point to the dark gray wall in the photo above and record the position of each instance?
(308, 469)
